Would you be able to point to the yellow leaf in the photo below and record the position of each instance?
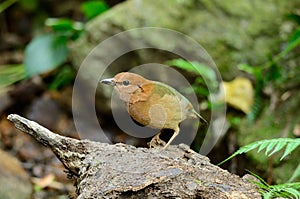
(239, 94)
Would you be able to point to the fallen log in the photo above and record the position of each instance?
(104, 170)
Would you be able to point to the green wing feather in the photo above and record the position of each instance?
(163, 89)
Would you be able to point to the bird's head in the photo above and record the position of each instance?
(126, 84)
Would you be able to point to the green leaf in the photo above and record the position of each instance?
(293, 42)
(266, 195)
(5, 4)
(195, 67)
(295, 36)
(273, 72)
(291, 145)
(10, 74)
(294, 17)
(270, 146)
(296, 174)
(93, 8)
(262, 146)
(246, 68)
(278, 147)
(44, 53)
(64, 24)
(64, 76)
(293, 192)
(242, 150)
(263, 184)
(29, 5)
(182, 64)
(206, 71)
(287, 190)
(249, 147)
(59, 24)
(289, 148)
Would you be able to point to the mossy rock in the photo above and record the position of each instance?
(231, 31)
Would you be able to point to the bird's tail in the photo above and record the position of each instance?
(201, 118)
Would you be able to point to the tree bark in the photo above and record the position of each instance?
(103, 170)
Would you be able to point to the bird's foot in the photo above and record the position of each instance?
(156, 142)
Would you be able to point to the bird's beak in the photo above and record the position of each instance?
(109, 81)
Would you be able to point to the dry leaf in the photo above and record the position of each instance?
(239, 94)
(45, 181)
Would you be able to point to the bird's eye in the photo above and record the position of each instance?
(126, 83)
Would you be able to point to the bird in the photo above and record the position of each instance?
(153, 104)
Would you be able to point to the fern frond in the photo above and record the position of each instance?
(287, 190)
(290, 147)
(270, 146)
(257, 106)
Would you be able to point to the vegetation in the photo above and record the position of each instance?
(271, 73)
(287, 190)
(49, 50)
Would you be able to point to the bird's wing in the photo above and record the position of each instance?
(163, 89)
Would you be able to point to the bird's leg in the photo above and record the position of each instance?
(156, 141)
(176, 132)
